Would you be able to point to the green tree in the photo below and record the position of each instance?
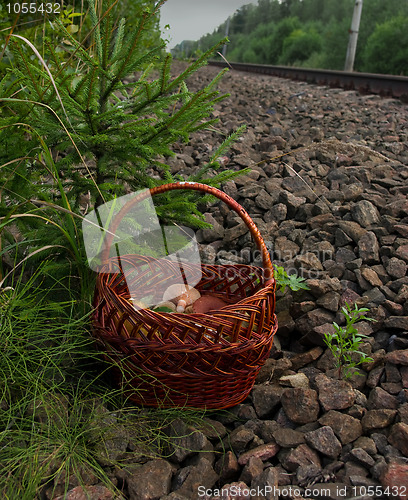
(299, 46)
(276, 41)
(334, 42)
(387, 48)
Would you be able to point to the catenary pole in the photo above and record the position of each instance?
(224, 49)
(352, 45)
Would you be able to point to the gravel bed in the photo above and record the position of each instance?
(328, 190)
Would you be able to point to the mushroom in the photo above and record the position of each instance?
(181, 295)
(208, 303)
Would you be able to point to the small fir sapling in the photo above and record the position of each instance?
(106, 110)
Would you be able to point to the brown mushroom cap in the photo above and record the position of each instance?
(208, 303)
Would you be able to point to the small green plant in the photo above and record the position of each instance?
(293, 281)
(345, 343)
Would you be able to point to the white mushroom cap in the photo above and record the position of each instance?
(181, 292)
(182, 295)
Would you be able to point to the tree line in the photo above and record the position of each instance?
(313, 34)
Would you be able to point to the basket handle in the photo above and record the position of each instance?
(234, 205)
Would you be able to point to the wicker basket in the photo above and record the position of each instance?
(194, 360)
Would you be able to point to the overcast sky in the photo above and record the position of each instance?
(190, 19)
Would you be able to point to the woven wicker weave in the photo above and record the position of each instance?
(195, 360)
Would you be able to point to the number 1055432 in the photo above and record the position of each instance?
(34, 8)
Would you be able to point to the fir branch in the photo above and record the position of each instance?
(165, 73)
(26, 65)
(117, 48)
(227, 143)
(129, 51)
(90, 92)
(201, 61)
(78, 51)
(107, 28)
(97, 30)
(54, 56)
(175, 117)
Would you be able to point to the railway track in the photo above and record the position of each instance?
(365, 83)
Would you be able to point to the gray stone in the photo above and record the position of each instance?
(267, 481)
(266, 430)
(319, 287)
(309, 262)
(368, 248)
(288, 438)
(396, 268)
(239, 439)
(345, 255)
(342, 239)
(95, 492)
(150, 481)
(300, 405)
(362, 457)
(174, 495)
(378, 398)
(227, 466)
(188, 479)
(208, 235)
(377, 419)
(292, 202)
(296, 380)
(277, 213)
(346, 427)
(352, 229)
(235, 232)
(284, 249)
(252, 469)
(184, 440)
(367, 444)
(353, 191)
(399, 437)
(365, 213)
(303, 455)
(330, 301)
(266, 398)
(212, 429)
(402, 251)
(273, 186)
(305, 358)
(324, 441)
(263, 452)
(334, 394)
(312, 319)
(250, 190)
(402, 295)
(264, 200)
(114, 444)
(398, 322)
(354, 468)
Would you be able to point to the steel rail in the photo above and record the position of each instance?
(365, 83)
